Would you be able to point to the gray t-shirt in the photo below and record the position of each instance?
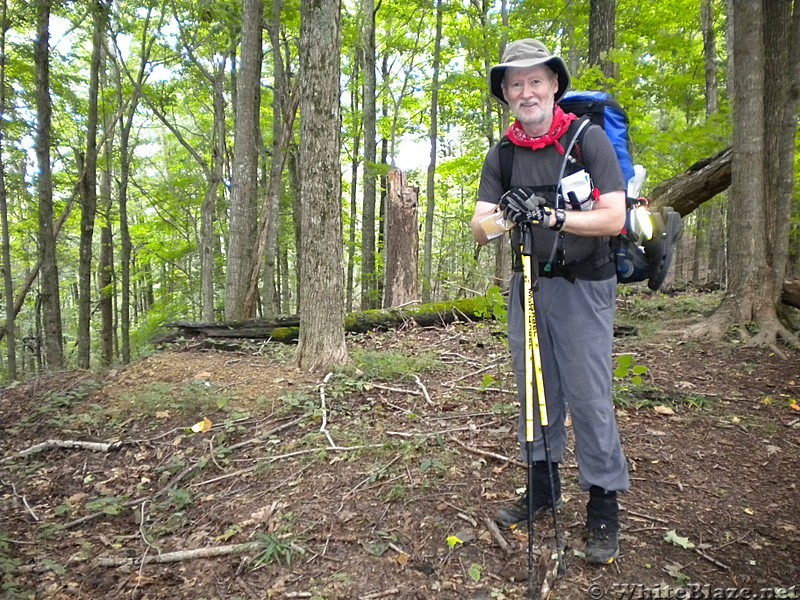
(541, 168)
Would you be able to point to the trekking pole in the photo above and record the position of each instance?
(533, 375)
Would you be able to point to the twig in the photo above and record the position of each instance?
(486, 368)
(424, 390)
(263, 436)
(376, 595)
(712, 560)
(497, 536)
(648, 517)
(70, 444)
(180, 555)
(394, 389)
(440, 432)
(494, 455)
(324, 427)
(473, 388)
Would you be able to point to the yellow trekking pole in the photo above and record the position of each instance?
(534, 394)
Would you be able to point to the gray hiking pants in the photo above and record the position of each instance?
(575, 322)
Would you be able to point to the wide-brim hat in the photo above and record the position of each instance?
(527, 53)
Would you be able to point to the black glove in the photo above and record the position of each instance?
(523, 207)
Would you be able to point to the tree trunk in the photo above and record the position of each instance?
(50, 296)
(368, 276)
(602, 16)
(430, 207)
(283, 113)
(89, 193)
(8, 278)
(244, 195)
(105, 267)
(284, 109)
(321, 344)
(209, 207)
(782, 52)
(354, 166)
(710, 56)
(402, 242)
(746, 248)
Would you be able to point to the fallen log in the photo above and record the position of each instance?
(699, 183)
(791, 293)
(286, 329)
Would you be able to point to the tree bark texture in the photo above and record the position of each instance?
(50, 296)
(244, 195)
(321, 344)
(8, 279)
(369, 286)
(402, 242)
(746, 249)
(602, 17)
(781, 31)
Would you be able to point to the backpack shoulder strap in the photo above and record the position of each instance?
(505, 153)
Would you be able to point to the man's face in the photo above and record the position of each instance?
(530, 93)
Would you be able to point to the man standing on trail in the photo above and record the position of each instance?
(577, 284)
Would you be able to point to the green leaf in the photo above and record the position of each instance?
(474, 572)
(376, 549)
(681, 542)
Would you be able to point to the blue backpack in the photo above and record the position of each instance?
(633, 262)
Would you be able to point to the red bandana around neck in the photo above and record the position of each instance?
(561, 120)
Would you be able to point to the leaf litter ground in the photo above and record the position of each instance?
(385, 492)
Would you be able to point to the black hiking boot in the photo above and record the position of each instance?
(668, 227)
(602, 524)
(517, 513)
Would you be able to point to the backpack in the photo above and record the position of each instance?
(629, 255)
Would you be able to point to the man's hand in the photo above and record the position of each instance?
(523, 207)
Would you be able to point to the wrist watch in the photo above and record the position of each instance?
(560, 219)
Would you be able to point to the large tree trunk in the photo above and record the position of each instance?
(433, 136)
(369, 284)
(602, 17)
(244, 195)
(50, 296)
(8, 279)
(321, 344)
(402, 242)
(748, 297)
(746, 250)
(782, 44)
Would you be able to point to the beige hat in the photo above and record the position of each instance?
(527, 53)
